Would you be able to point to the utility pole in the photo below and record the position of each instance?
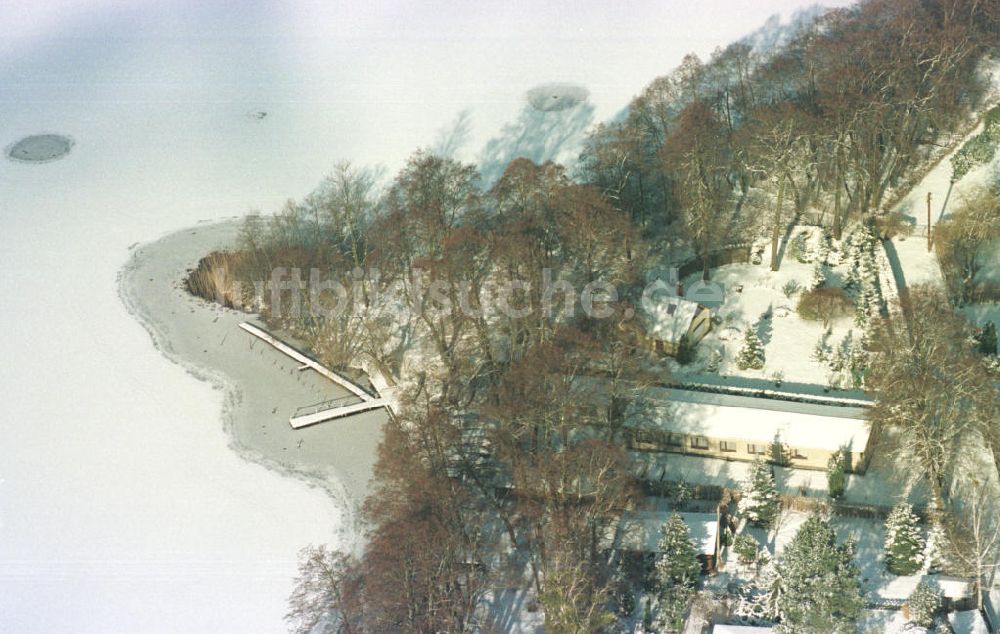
(929, 222)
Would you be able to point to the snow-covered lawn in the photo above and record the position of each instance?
(767, 300)
(869, 536)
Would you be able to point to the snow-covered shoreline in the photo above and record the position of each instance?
(336, 456)
(121, 507)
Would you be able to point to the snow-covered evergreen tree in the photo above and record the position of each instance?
(746, 548)
(858, 361)
(904, 546)
(757, 600)
(823, 351)
(836, 476)
(936, 548)
(818, 275)
(760, 502)
(849, 363)
(751, 354)
(818, 586)
(677, 563)
(715, 359)
(672, 609)
(923, 604)
(823, 248)
(862, 274)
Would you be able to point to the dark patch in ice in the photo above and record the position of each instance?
(40, 148)
(553, 97)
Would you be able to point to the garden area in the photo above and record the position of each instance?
(803, 323)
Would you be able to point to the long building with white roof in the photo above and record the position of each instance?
(732, 427)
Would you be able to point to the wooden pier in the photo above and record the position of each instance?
(363, 400)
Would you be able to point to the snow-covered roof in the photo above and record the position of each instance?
(955, 587)
(705, 414)
(741, 629)
(968, 622)
(640, 530)
(668, 317)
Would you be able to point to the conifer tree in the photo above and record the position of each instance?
(678, 559)
(818, 275)
(818, 589)
(760, 496)
(936, 548)
(756, 604)
(836, 478)
(923, 604)
(673, 607)
(904, 546)
(751, 355)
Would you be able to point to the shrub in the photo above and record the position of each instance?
(892, 225)
(987, 339)
(626, 601)
(680, 492)
(746, 548)
(685, 350)
(714, 361)
(790, 288)
(824, 304)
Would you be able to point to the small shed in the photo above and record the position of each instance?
(957, 593)
(670, 322)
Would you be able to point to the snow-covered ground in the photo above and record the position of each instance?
(756, 296)
(880, 485)
(937, 182)
(917, 264)
(121, 507)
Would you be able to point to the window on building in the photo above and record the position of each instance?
(757, 449)
(699, 442)
(726, 445)
(675, 440)
(798, 454)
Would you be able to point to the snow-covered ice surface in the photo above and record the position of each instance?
(121, 507)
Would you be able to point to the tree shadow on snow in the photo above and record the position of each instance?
(454, 136)
(536, 135)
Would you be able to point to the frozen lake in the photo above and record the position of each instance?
(121, 507)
